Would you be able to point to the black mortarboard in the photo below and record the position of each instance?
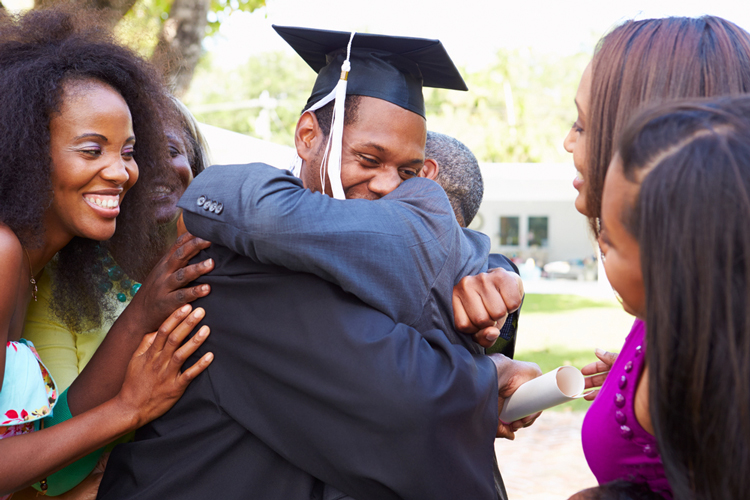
(392, 68)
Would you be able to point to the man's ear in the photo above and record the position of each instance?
(307, 135)
(430, 169)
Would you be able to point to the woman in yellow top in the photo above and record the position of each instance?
(66, 350)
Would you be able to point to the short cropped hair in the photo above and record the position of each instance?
(459, 174)
(324, 115)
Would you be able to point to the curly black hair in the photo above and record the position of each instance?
(39, 52)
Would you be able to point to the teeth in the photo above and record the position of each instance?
(162, 190)
(109, 202)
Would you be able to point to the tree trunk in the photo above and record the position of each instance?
(111, 10)
(179, 46)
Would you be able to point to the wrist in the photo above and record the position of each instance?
(125, 412)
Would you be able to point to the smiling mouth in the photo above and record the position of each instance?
(103, 201)
(162, 190)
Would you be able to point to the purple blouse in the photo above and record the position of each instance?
(615, 444)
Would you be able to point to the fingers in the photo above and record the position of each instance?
(178, 334)
(478, 303)
(606, 357)
(183, 353)
(169, 325)
(504, 431)
(185, 248)
(188, 375)
(145, 344)
(591, 395)
(595, 380)
(487, 336)
(510, 287)
(594, 368)
(187, 274)
(606, 360)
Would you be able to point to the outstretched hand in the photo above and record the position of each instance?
(481, 303)
(511, 374)
(164, 290)
(597, 372)
(154, 382)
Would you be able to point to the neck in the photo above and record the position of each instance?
(39, 257)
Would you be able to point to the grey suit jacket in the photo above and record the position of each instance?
(311, 386)
(402, 254)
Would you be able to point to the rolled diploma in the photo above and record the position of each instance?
(551, 389)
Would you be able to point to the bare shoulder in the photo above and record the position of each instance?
(10, 250)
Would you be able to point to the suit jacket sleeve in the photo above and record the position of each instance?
(268, 216)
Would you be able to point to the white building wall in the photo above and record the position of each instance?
(529, 190)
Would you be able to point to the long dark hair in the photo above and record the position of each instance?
(692, 222)
(39, 52)
(651, 61)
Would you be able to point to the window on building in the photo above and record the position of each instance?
(538, 230)
(509, 231)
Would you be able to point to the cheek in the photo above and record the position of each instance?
(352, 174)
(182, 169)
(133, 174)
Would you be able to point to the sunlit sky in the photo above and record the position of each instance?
(472, 30)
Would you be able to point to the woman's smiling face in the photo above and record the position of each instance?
(167, 192)
(575, 141)
(91, 146)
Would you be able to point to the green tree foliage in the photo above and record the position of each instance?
(541, 88)
(517, 110)
(286, 79)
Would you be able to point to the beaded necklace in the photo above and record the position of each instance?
(118, 282)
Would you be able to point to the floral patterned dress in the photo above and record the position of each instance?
(28, 393)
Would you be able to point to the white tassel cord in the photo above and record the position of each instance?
(331, 162)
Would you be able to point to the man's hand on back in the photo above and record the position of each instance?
(481, 303)
(510, 375)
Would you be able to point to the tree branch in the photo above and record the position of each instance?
(179, 46)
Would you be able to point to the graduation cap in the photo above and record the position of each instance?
(392, 68)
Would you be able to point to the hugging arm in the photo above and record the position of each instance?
(163, 291)
(373, 249)
(152, 385)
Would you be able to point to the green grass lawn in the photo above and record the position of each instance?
(537, 302)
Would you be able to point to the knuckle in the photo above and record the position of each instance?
(180, 275)
(180, 295)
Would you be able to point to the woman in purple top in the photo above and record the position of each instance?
(638, 64)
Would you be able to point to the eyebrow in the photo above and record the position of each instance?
(578, 107)
(99, 136)
(375, 145)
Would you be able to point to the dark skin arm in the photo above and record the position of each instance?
(152, 385)
(162, 292)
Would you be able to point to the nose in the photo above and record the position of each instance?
(121, 172)
(569, 141)
(385, 181)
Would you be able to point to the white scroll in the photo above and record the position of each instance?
(551, 389)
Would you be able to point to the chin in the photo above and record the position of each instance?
(167, 215)
(580, 204)
(100, 235)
